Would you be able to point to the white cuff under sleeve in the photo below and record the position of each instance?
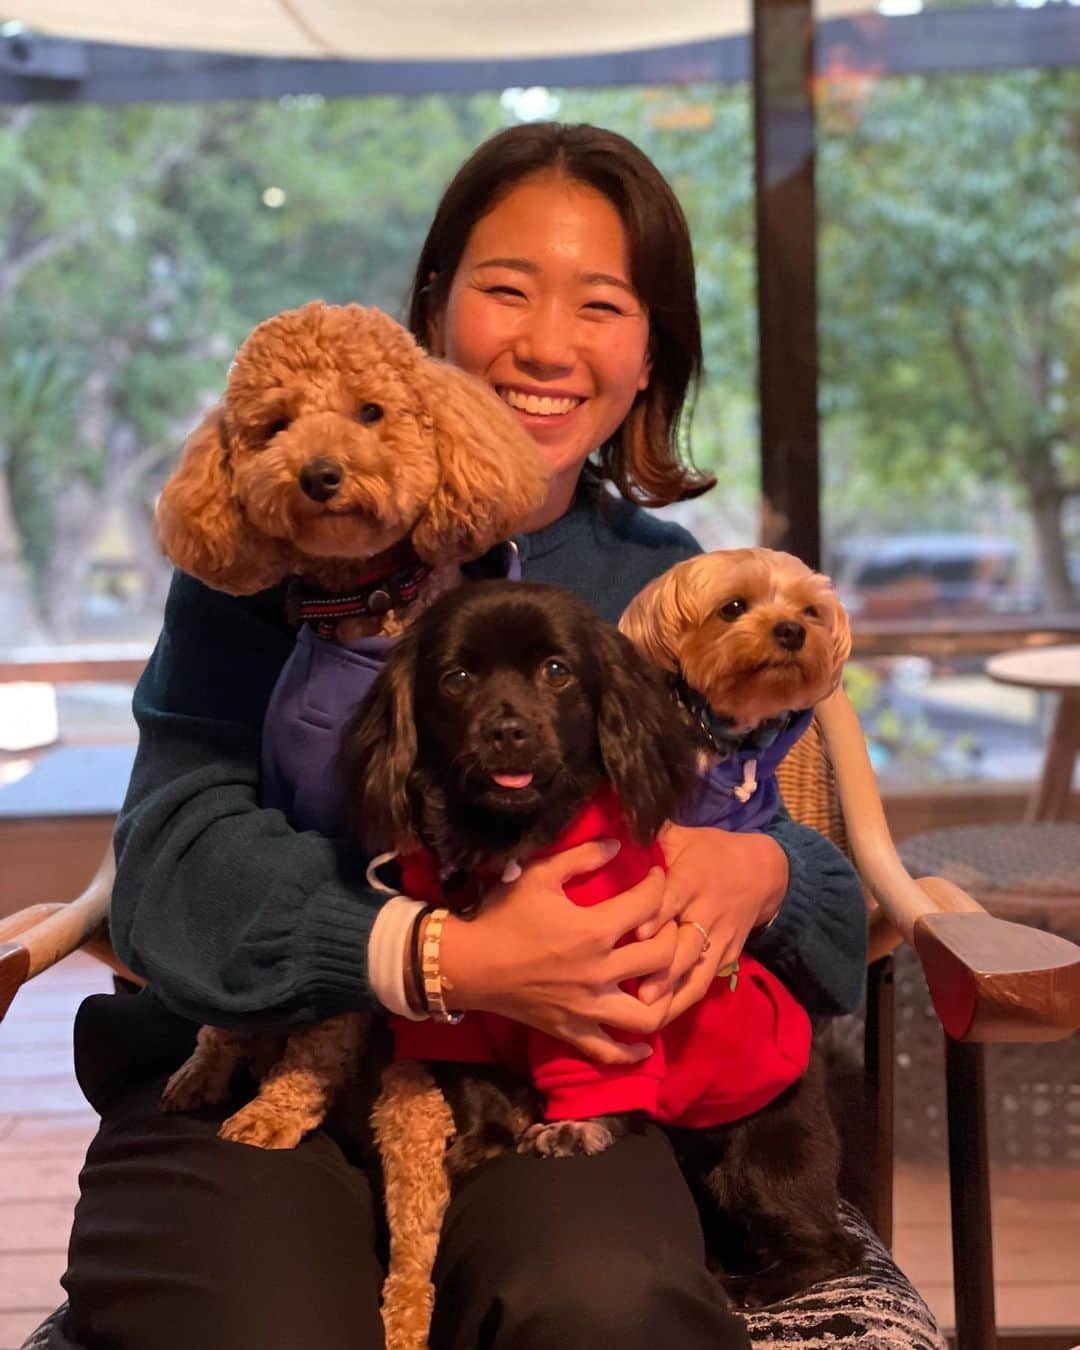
(386, 954)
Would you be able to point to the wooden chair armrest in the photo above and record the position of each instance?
(990, 980)
(41, 935)
(902, 900)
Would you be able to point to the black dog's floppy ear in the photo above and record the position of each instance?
(378, 753)
(646, 746)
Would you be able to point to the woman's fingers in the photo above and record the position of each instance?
(626, 912)
(592, 1040)
(644, 958)
(689, 951)
(577, 861)
(693, 990)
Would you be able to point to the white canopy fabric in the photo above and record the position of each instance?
(397, 30)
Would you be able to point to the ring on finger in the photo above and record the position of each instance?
(706, 940)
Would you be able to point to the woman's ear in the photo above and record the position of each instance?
(491, 473)
(378, 755)
(646, 747)
(200, 524)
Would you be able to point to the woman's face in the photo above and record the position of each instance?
(541, 308)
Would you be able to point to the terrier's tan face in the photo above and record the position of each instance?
(756, 632)
(772, 636)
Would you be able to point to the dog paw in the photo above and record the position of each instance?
(564, 1138)
(191, 1086)
(261, 1126)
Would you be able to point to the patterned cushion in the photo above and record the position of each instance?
(875, 1308)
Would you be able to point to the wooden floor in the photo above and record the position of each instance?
(45, 1126)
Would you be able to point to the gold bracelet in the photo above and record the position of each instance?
(434, 984)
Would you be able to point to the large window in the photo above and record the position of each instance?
(949, 248)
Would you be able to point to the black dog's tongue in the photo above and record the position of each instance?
(512, 780)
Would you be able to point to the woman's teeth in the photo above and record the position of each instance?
(539, 407)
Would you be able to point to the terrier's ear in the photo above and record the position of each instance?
(202, 528)
(841, 638)
(378, 754)
(659, 615)
(491, 473)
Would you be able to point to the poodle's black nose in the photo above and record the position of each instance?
(320, 479)
(789, 634)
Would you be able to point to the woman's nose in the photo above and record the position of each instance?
(546, 339)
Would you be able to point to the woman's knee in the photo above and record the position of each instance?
(618, 1298)
(565, 1252)
(181, 1239)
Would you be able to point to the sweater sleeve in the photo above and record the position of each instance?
(817, 942)
(232, 916)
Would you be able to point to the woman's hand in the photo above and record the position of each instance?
(729, 884)
(536, 957)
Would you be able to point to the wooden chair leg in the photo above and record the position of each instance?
(969, 1188)
(880, 1062)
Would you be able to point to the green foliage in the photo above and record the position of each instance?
(138, 245)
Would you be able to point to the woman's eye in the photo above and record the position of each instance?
(370, 413)
(605, 306)
(511, 291)
(812, 611)
(733, 609)
(455, 682)
(556, 672)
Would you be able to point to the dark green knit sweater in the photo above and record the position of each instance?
(234, 918)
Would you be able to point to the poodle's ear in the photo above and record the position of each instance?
(646, 746)
(491, 474)
(200, 523)
(378, 755)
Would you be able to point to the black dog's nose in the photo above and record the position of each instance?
(507, 733)
(789, 634)
(320, 479)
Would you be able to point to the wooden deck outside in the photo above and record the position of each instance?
(45, 1126)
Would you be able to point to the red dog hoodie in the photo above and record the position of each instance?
(726, 1057)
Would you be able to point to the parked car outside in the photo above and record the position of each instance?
(929, 575)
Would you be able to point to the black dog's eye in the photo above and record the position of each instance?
(811, 610)
(272, 428)
(733, 609)
(369, 413)
(455, 682)
(556, 673)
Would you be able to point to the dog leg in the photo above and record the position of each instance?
(564, 1138)
(204, 1077)
(294, 1096)
(413, 1124)
(770, 1199)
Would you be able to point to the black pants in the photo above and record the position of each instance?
(182, 1240)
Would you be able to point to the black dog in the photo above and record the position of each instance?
(499, 714)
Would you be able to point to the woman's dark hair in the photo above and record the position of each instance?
(644, 458)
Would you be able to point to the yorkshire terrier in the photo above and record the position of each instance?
(751, 639)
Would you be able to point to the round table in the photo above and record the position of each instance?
(1049, 670)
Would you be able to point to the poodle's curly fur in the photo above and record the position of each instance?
(420, 454)
(420, 451)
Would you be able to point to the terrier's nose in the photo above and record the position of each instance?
(789, 635)
(506, 733)
(320, 479)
